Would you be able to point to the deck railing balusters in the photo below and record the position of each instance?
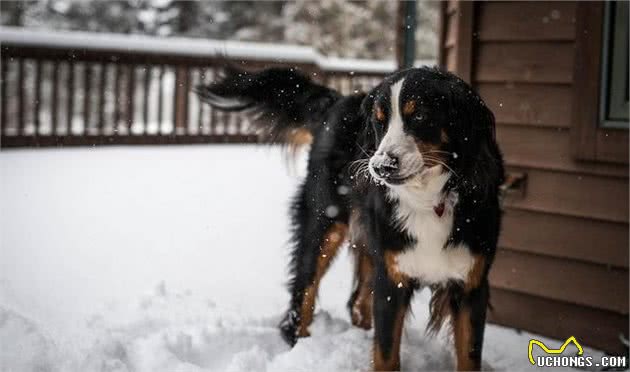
(106, 97)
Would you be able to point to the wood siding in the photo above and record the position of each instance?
(562, 266)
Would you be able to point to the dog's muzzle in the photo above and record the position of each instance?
(386, 167)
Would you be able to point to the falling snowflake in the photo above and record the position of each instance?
(332, 211)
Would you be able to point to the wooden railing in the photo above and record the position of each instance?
(93, 89)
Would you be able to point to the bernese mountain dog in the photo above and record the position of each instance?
(408, 173)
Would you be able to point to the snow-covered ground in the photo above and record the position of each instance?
(174, 259)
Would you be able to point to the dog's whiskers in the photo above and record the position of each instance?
(440, 162)
(362, 149)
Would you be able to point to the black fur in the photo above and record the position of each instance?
(344, 130)
(280, 100)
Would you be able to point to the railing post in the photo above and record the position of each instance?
(117, 98)
(3, 95)
(101, 99)
(87, 96)
(145, 99)
(70, 97)
(21, 97)
(131, 86)
(54, 106)
(182, 77)
(160, 99)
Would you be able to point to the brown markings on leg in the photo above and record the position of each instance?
(328, 249)
(391, 362)
(362, 306)
(476, 274)
(463, 332)
(299, 137)
(463, 335)
(398, 277)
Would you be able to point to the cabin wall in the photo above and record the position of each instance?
(562, 266)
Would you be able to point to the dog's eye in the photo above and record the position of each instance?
(419, 117)
(379, 114)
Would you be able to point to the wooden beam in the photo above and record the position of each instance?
(465, 28)
(405, 33)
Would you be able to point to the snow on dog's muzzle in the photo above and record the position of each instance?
(385, 167)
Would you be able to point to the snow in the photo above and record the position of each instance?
(155, 45)
(174, 259)
(112, 42)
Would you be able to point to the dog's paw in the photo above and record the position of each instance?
(289, 327)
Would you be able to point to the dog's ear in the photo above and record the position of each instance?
(370, 135)
(480, 162)
(367, 104)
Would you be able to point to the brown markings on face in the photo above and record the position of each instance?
(390, 362)
(362, 305)
(395, 275)
(409, 107)
(431, 152)
(476, 274)
(328, 249)
(379, 113)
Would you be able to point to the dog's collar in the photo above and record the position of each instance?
(439, 209)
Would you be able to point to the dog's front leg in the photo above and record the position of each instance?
(392, 294)
(469, 320)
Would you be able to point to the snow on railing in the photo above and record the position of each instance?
(178, 46)
(61, 87)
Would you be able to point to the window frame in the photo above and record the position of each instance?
(590, 140)
(610, 103)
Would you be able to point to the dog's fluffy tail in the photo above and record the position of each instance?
(284, 105)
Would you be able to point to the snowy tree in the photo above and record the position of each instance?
(344, 28)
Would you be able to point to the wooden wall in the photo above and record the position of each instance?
(562, 267)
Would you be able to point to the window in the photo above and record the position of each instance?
(599, 130)
(614, 93)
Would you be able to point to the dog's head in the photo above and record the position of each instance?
(422, 119)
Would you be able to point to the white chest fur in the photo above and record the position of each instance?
(429, 260)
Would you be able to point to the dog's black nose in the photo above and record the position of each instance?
(388, 166)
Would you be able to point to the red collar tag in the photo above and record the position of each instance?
(439, 209)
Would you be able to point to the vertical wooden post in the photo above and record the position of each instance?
(70, 97)
(202, 106)
(182, 77)
(117, 98)
(405, 33)
(160, 99)
(465, 28)
(54, 106)
(131, 86)
(213, 113)
(442, 17)
(4, 64)
(145, 100)
(87, 96)
(21, 98)
(37, 104)
(101, 99)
